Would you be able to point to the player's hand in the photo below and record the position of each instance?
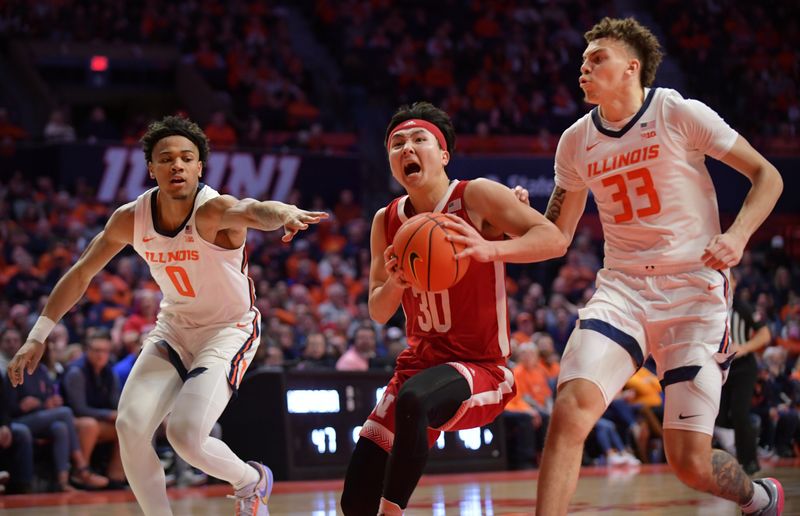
(475, 246)
(521, 194)
(723, 251)
(392, 266)
(295, 219)
(53, 401)
(6, 437)
(29, 403)
(26, 359)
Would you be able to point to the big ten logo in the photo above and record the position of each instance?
(237, 173)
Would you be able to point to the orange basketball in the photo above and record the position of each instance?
(425, 256)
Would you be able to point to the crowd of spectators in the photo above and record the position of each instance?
(498, 68)
(313, 298)
(742, 60)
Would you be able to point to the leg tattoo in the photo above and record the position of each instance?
(730, 481)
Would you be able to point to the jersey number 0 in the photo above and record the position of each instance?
(180, 279)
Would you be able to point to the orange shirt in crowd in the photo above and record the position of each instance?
(531, 383)
(647, 388)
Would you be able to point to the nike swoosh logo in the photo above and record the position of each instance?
(592, 146)
(147, 239)
(412, 258)
(711, 287)
(681, 416)
(245, 325)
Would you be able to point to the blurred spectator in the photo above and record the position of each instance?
(220, 134)
(775, 403)
(748, 335)
(25, 284)
(548, 358)
(16, 445)
(108, 309)
(58, 129)
(92, 389)
(132, 345)
(336, 306)
(346, 208)
(576, 276)
(528, 412)
(37, 405)
(54, 353)
(97, 128)
(357, 356)
(611, 445)
(315, 354)
(10, 342)
(10, 133)
(525, 328)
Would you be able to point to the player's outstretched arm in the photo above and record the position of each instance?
(386, 283)
(726, 250)
(70, 288)
(263, 215)
(500, 211)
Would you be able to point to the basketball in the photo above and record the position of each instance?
(425, 256)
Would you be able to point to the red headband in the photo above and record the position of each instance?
(424, 124)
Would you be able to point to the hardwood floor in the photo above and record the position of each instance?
(647, 490)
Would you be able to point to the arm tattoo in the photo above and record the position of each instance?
(554, 205)
(730, 481)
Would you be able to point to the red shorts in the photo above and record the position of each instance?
(492, 387)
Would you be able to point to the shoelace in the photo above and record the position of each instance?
(244, 502)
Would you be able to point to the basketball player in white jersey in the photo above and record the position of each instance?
(664, 286)
(193, 240)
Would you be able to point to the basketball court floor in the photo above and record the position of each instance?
(648, 490)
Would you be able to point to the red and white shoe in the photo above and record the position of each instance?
(775, 491)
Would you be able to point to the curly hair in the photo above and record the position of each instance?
(637, 37)
(424, 111)
(174, 126)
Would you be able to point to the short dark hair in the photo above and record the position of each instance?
(428, 112)
(174, 126)
(97, 333)
(636, 36)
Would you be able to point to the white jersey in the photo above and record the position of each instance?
(655, 198)
(203, 284)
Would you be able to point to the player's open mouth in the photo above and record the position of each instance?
(411, 168)
(177, 180)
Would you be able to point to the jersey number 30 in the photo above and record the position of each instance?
(180, 279)
(644, 188)
(431, 315)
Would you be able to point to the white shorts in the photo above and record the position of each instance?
(681, 319)
(192, 350)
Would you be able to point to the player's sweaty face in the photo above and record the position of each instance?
(175, 166)
(413, 154)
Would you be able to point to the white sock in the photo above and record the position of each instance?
(388, 508)
(251, 476)
(759, 501)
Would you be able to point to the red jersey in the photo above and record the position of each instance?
(467, 322)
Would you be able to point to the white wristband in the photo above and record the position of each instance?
(44, 325)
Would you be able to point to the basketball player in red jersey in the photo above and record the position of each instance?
(208, 329)
(453, 374)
